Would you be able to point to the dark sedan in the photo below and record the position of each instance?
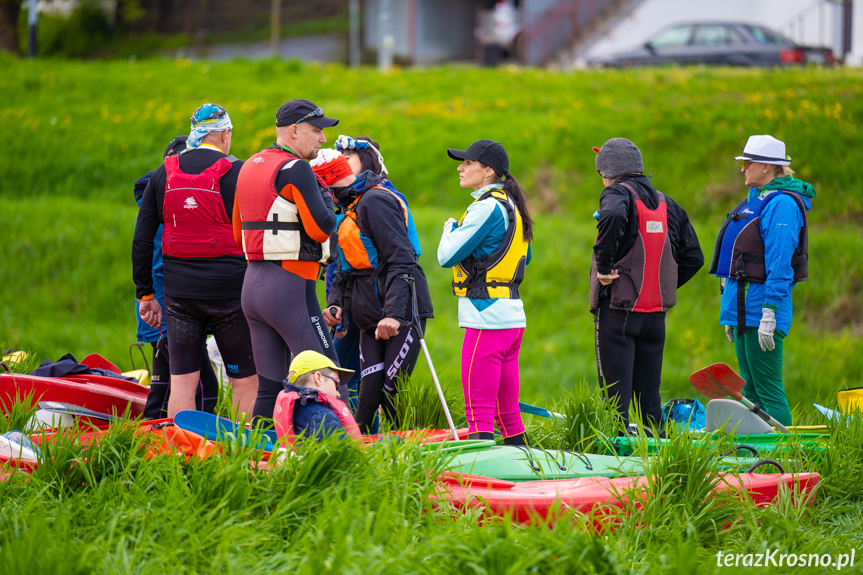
(720, 43)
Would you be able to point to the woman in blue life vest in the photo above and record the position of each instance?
(378, 284)
(488, 249)
(761, 253)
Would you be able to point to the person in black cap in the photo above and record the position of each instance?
(207, 392)
(192, 195)
(488, 249)
(283, 217)
(645, 249)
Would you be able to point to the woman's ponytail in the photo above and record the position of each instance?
(513, 190)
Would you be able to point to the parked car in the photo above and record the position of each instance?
(721, 43)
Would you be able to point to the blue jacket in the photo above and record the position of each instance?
(780, 224)
(145, 332)
(480, 233)
(313, 419)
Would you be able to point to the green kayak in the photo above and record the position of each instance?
(527, 464)
(767, 442)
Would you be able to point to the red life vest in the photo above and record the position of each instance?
(196, 223)
(283, 414)
(271, 224)
(648, 272)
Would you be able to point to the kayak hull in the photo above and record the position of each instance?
(544, 502)
(104, 397)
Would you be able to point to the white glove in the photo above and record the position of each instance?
(766, 328)
(447, 225)
(729, 333)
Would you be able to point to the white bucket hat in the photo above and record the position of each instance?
(765, 150)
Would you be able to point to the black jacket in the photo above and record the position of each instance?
(617, 228)
(381, 219)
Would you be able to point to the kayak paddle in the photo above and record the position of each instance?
(415, 320)
(60, 407)
(540, 411)
(213, 427)
(719, 380)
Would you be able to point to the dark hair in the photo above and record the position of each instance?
(514, 191)
(368, 158)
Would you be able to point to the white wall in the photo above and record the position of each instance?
(810, 22)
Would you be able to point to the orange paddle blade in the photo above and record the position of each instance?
(717, 381)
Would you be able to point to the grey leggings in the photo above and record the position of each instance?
(284, 318)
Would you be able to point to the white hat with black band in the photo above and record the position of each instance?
(765, 150)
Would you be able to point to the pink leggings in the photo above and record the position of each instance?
(489, 375)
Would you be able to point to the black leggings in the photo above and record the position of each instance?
(629, 349)
(383, 361)
(206, 392)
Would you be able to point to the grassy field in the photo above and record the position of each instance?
(79, 134)
(83, 132)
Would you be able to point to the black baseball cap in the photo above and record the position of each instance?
(297, 111)
(488, 152)
(176, 146)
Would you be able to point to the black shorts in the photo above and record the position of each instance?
(187, 321)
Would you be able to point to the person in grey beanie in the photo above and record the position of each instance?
(645, 249)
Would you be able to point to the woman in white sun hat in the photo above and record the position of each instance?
(761, 253)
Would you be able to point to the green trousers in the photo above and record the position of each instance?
(762, 371)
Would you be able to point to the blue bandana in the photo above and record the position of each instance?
(208, 118)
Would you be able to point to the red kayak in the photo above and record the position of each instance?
(114, 396)
(542, 502)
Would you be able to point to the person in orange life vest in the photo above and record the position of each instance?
(488, 250)
(645, 249)
(377, 266)
(283, 217)
(192, 195)
(309, 405)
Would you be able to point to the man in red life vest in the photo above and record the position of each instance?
(192, 195)
(283, 217)
(645, 249)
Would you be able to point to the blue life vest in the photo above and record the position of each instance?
(739, 252)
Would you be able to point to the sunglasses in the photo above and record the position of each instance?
(316, 113)
(330, 377)
(745, 163)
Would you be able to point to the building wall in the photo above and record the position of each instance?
(445, 30)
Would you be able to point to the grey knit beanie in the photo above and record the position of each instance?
(619, 156)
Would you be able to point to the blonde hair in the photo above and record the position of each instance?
(781, 171)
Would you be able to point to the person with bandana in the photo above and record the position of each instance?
(283, 217)
(207, 390)
(192, 195)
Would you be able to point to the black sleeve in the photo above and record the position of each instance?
(385, 222)
(614, 204)
(228, 187)
(688, 256)
(146, 226)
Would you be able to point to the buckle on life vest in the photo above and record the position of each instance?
(273, 225)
